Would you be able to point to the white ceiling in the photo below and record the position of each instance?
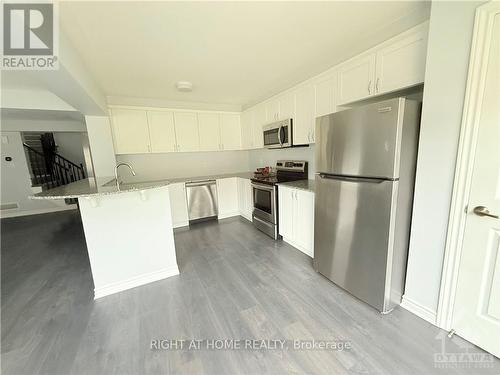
(234, 52)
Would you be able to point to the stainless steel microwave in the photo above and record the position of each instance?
(278, 134)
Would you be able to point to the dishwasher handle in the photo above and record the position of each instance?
(200, 183)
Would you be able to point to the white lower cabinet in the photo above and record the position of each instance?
(227, 197)
(178, 204)
(245, 198)
(296, 218)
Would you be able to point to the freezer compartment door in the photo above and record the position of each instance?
(351, 234)
(361, 141)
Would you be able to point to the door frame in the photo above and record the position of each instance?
(478, 62)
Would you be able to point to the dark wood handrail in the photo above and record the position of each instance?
(55, 154)
(57, 171)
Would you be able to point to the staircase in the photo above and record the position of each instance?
(33, 141)
(48, 168)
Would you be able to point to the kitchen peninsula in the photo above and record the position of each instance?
(128, 230)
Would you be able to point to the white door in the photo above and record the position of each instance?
(186, 131)
(401, 64)
(286, 211)
(476, 314)
(178, 204)
(355, 79)
(325, 99)
(161, 131)
(304, 221)
(247, 130)
(304, 115)
(208, 124)
(130, 131)
(227, 196)
(230, 131)
(259, 120)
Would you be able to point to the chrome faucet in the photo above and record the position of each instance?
(116, 171)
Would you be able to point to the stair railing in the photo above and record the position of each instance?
(56, 170)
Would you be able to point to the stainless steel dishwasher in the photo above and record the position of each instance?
(202, 200)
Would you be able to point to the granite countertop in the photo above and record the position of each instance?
(300, 184)
(92, 187)
(212, 177)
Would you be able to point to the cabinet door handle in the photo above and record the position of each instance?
(376, 84)
(369, 86)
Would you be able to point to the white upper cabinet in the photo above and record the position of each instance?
(208, 124)
(325, 95)
(186, 131)
(280, 108)
(230, 130)
(356, 79)
(303, 125)
(161, 131)
(247, 129)
(287, 106)
(402, 63)
(259, 120)
(130, 131)
(394, 65)
(272, 110)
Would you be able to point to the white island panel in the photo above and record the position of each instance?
(130, 239)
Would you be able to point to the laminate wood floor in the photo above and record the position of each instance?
(235, 283)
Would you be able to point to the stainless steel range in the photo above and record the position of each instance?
(265, 194)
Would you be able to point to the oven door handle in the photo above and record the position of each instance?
(279, 135)
(263, 187)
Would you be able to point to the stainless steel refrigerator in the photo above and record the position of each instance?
(365, 163)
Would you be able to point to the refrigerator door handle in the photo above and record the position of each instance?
(373, 180)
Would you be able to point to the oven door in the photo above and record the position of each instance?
(264, 202)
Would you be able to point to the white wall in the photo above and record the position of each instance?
(101, 145)
(32, 99)
(450, 36)
(263, 158)
(30, 125)
(16, 182)
(70, 146)
(186, 164)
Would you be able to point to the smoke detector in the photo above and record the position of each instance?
(185, 86)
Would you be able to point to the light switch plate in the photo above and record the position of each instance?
(5, 139)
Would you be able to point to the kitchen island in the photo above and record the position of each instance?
(128, 230)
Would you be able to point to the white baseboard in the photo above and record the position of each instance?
(135, 282)
(249, 218)
(15, 213)
(419, 310)
(180, 224)
(298, 247)
(228, 214)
